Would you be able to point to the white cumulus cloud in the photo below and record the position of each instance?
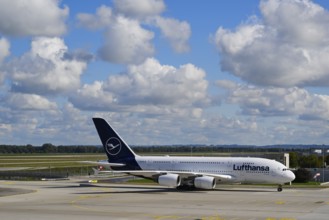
(33, 17)
(45, 69)
(177, 32)
(20, 101)
(4, 52)
(140, 10)
(149, 85)
(127, 42)
(129, 30)
(4, 48)
(102, 18)
(287, 46)
(274, 101)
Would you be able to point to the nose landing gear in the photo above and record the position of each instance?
(280, 188)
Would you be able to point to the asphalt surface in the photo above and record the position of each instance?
(72, 200)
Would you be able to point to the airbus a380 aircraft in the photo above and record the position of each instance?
(193, 172)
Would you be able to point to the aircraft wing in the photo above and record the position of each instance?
(155, 173)
(104, 163)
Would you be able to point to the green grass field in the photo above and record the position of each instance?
(38, 166)
(33, 161)
(43, 161)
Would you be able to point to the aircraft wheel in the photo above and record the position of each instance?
(280, 188)
(185, 187)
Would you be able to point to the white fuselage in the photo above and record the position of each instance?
(242, 169)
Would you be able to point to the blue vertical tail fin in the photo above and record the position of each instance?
(115, 148)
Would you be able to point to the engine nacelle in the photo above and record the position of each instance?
(205, 182)
(170, 180)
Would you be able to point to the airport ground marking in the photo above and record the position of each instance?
(214, 217)
(280, 219)
(75, 204)
(280, 202)
(168, 217)
(217, 217)
(8, 183)
(175, 217)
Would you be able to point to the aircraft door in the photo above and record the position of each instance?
(274, 172)
(229, 165)
(149, 165)
(174, 165)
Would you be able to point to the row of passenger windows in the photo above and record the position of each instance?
(200, 171)
(263, 172)
(166, 162)
(181, 162)
(195, 162)
(248, 163)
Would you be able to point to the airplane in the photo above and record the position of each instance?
(187, 172)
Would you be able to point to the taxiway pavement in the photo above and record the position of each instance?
(68, 200)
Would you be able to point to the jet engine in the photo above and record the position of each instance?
(170, 180)
(205, 182)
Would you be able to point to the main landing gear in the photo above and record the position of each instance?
(186, 187)
(279, 188)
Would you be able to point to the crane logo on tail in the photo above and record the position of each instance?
(113, 146)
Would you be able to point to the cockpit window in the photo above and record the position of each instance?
(284, 169)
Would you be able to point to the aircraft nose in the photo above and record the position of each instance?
(290, 175)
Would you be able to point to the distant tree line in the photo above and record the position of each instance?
(213, 148)
(299, 157)
(48, 148)
(298, 160)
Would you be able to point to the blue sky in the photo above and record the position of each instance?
(165, 72)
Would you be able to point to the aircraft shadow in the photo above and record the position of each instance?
(155, 189)
(195, 190)
(243, 190)
(142, 189)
